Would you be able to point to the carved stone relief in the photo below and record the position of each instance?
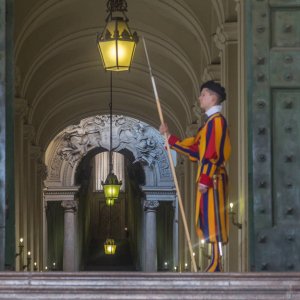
(145, 143)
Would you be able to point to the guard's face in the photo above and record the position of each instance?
(206, 99)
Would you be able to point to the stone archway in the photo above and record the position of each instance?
(68, 149)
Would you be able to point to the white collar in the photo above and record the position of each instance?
(213, 110)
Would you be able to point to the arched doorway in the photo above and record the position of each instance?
(71, 181)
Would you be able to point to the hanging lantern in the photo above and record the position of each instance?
(117, 43)
(111, 188)
(110, 247)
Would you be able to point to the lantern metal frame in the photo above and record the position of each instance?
(115, 36)
(110, 246)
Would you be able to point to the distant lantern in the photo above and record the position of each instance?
(110, 247)
(117, 43)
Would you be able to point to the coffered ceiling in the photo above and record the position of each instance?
(60, 75)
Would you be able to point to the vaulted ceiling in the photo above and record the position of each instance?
(60, 75)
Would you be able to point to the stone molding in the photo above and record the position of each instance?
(140, 285)
(228, 32)
(159, 194)
(212, 72)
(60, 194)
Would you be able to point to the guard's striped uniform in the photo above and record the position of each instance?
(211, 148)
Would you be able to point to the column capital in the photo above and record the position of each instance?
(225, 33)
(70, 205)
(151, 205)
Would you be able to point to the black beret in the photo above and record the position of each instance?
(215, 87)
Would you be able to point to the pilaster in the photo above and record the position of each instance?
(20, 112)
(226, 40)
(35, 204)
(242, 182)
(2, 130)
(27, 192)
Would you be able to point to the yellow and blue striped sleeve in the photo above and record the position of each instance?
(188, 146)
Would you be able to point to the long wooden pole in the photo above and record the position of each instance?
(187, 234)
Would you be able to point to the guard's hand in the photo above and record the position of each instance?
(164, 129)
(203, 188)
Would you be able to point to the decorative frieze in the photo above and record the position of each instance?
(146, 143)
(155, 194)
(60, 194)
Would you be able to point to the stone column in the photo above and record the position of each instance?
(45, 238)
(69, 259)
(150, 208)
(2, 133)
(41, 214)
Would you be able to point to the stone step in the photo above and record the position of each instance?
(137, 285)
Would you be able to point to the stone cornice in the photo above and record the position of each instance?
(160, 191)
(159, 194)
(60, 194)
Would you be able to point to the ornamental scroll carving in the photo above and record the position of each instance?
(145, 142)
